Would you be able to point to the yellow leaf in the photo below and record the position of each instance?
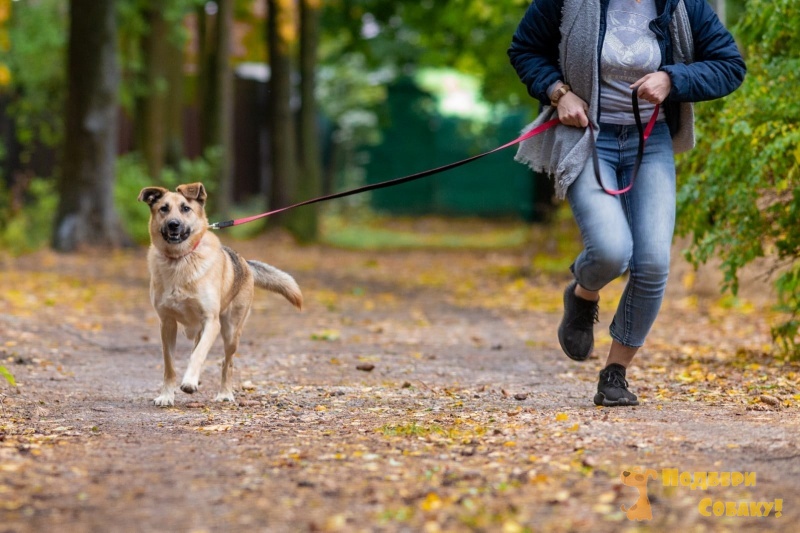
(574, 428)
(562, 417)
(432, 502)
(509, 444)
(510, 526)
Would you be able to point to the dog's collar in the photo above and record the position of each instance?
(173, 258)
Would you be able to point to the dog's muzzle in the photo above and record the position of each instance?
(174, 232)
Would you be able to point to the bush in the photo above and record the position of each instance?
(28, 228)
(741, 198)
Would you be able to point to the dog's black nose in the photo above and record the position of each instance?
(174, 225)
(626, 474)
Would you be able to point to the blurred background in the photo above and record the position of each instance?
(271, 102)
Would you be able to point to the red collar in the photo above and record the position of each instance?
(187, 253)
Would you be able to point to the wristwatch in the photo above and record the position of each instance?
(558, 93)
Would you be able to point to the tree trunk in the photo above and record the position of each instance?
(310, 177)
(173, 141)
(283, 150)
(86, 214)
(223, 78)
(151, 107)
(216, 95)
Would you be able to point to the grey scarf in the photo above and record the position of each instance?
(564, 151)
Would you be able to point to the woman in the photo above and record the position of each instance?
(581, 59)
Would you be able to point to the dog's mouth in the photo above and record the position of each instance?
(176, 235)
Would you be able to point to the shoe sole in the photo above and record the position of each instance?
(561, 331)
(600, 399)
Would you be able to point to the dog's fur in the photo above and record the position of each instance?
(198, 283)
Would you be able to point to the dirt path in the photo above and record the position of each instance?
(471, 419)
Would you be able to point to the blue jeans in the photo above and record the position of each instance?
(630, 232)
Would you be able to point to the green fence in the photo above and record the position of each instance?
(417, 138)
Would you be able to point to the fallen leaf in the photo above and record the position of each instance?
(769, 400)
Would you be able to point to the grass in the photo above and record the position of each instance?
(384, 233)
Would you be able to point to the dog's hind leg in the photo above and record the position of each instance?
(191, 379)
(169, 332)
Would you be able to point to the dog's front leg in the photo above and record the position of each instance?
(169, 332)
(191, 379)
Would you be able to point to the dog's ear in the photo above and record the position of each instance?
(652, 473)
(151, 195)
(193, 191)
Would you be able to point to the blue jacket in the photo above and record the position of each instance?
(718, 67)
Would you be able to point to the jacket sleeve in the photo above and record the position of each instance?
(718, 67)
(534, 48)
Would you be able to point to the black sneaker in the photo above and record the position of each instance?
(612, 390)
(576, 332)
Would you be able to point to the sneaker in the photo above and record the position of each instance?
(612, 390)
(576, 332)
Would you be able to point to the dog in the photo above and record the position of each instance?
(197, 282)
(641, 510)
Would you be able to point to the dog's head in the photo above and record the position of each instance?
(636, 478)
(177, 219)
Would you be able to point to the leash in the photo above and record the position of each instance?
(644, 134)
(389, 183)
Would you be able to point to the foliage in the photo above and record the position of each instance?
(741, 199)
(132, 177)
(469, 35)
(26, 226)
(37, 35)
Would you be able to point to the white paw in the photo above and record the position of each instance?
(165, 400)
(189, 387)
(224, 397)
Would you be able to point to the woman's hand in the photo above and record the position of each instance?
(572, 110)
(654, 87)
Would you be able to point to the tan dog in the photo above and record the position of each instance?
(197, 282)
(641, 510)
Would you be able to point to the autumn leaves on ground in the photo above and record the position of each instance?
(420, 390)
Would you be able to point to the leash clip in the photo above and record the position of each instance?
(220, 225)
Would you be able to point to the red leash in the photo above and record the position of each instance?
(643, 135)
(390, 183)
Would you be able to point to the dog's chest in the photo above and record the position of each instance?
(180, 295)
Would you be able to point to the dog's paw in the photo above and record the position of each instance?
(188, 388)
(164, 400)
(224, 397)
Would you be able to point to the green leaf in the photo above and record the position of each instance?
(6, 374)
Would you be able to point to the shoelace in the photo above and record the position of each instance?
(587, 317)
(616, 379)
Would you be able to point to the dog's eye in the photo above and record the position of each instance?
(164, 208)
(185, 208)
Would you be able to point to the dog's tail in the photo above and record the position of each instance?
(270, 278)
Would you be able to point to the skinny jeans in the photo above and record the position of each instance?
(630, 232)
